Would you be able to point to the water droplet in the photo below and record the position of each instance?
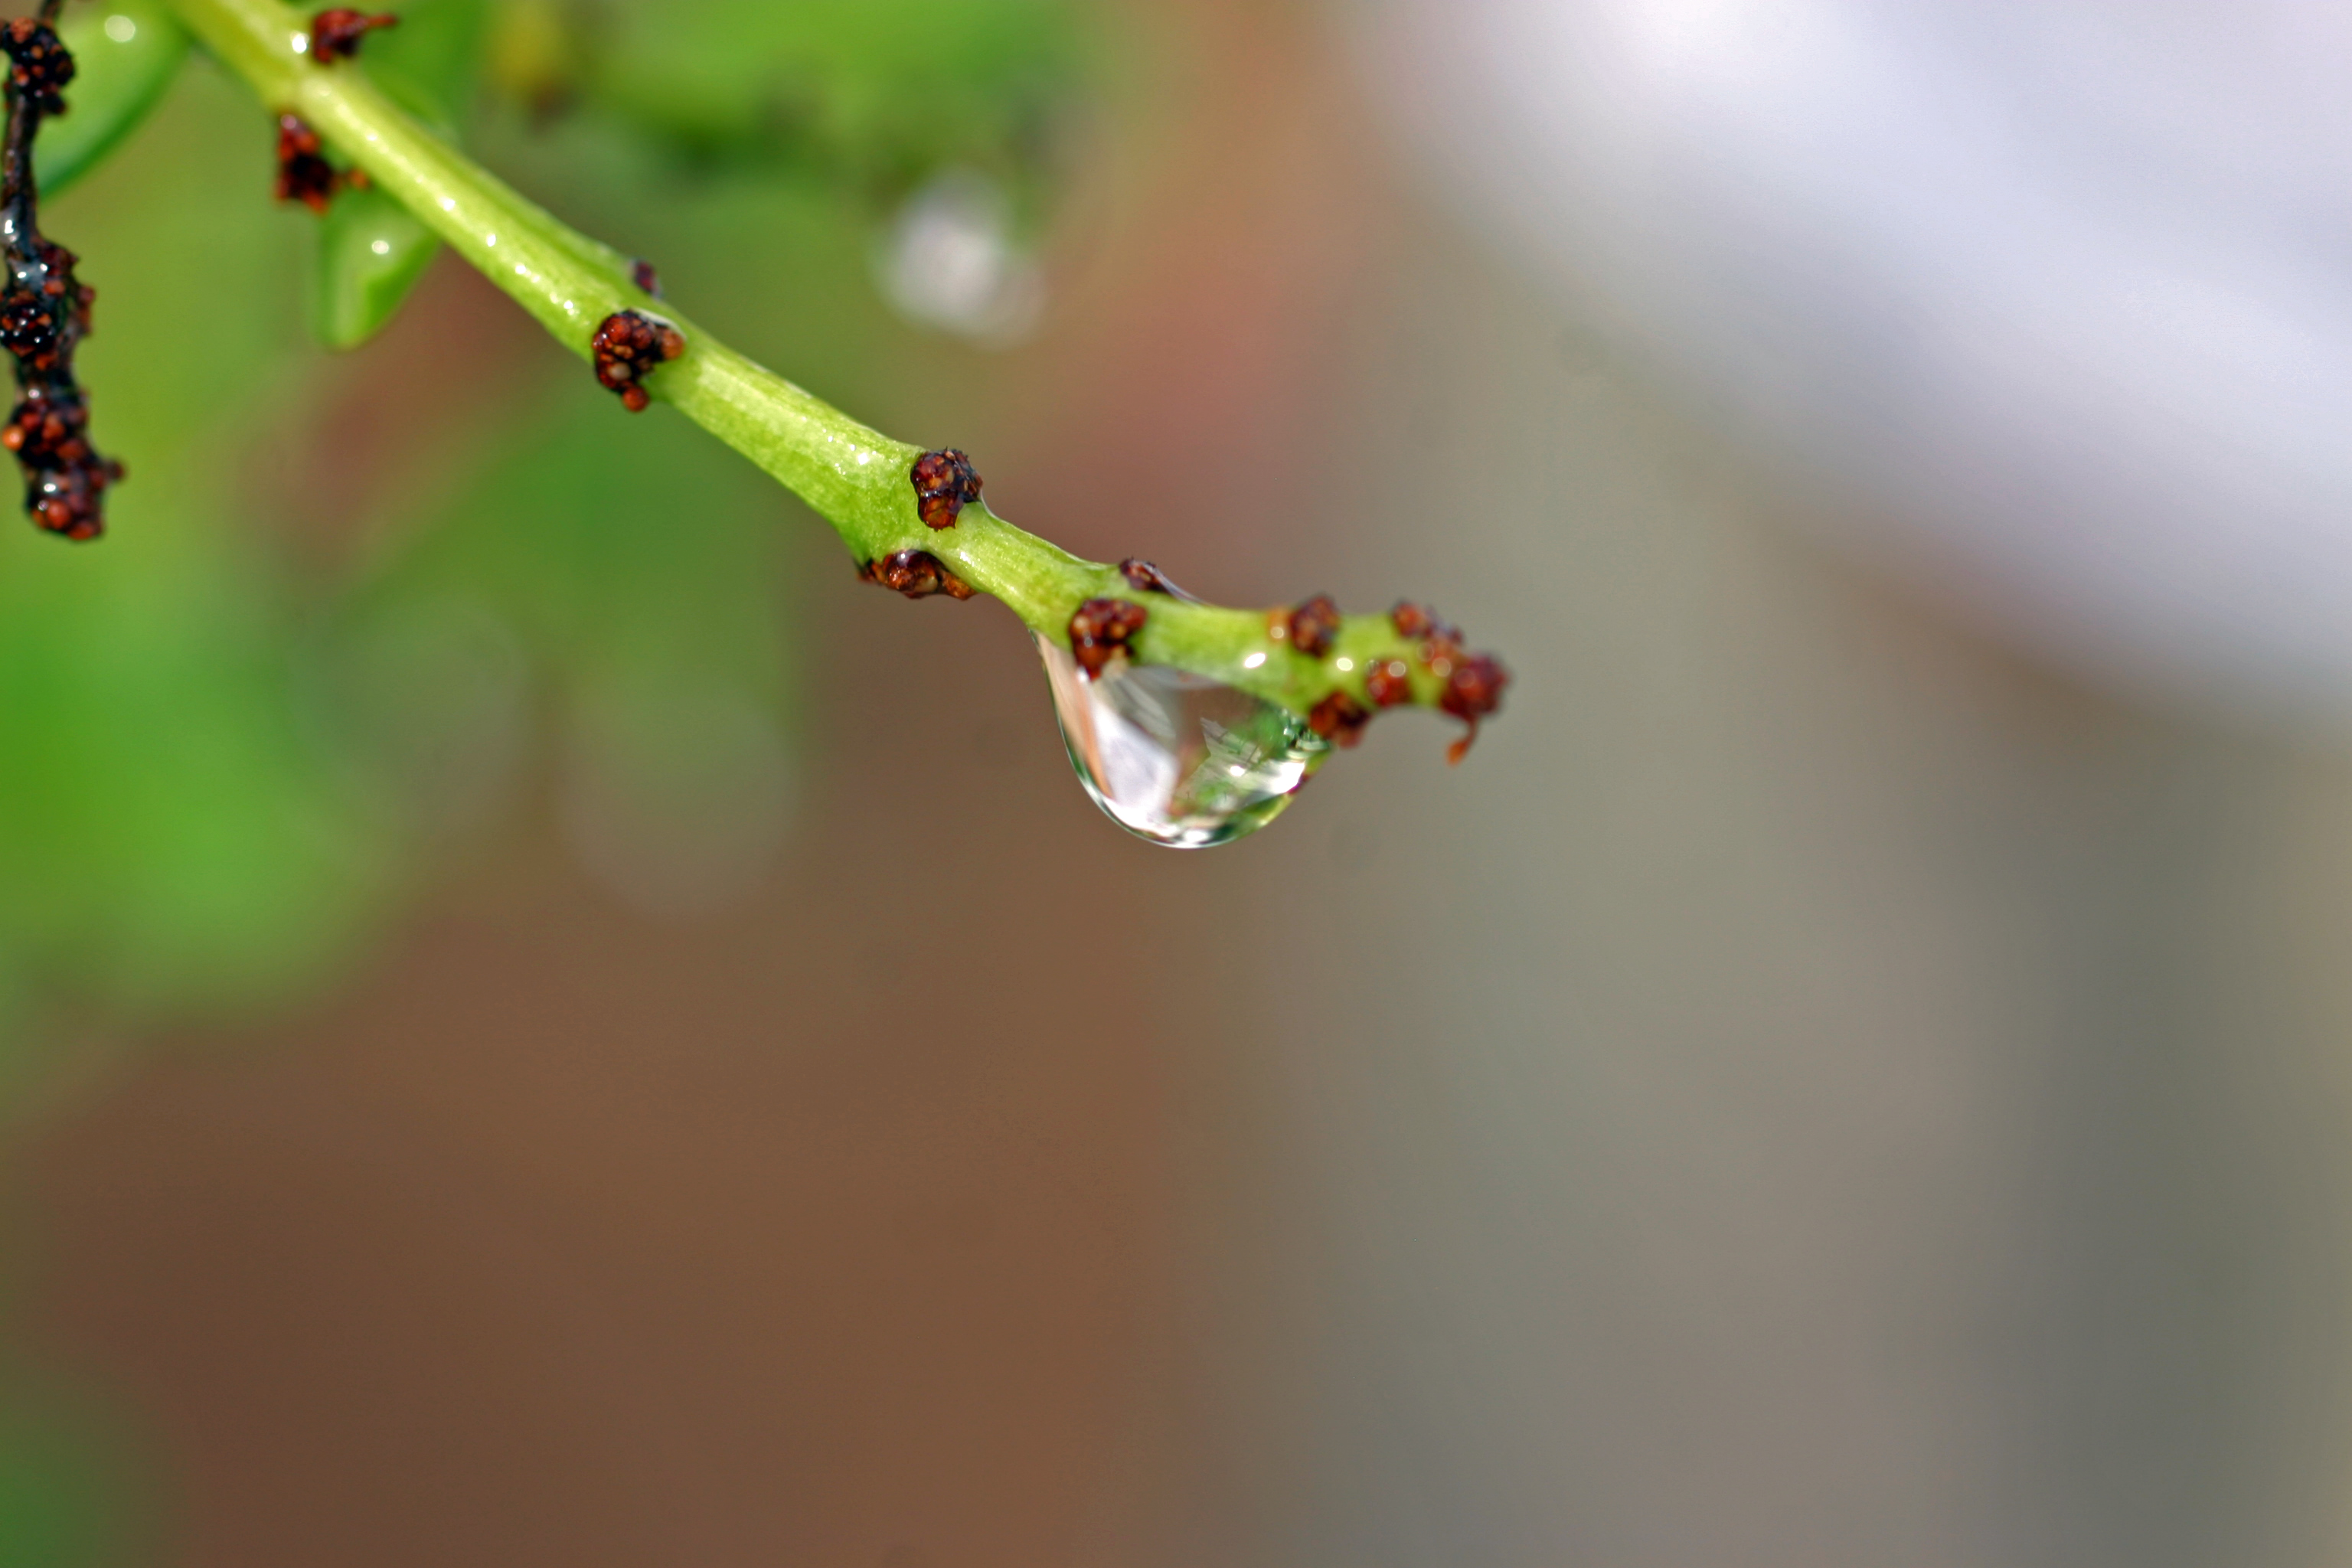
(1178, 758)
(952, 260)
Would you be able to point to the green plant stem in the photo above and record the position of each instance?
(857, 479)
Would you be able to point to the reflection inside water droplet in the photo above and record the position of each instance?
(1177, 758)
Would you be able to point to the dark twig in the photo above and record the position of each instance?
(45, 312)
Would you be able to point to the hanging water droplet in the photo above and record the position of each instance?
(1178, 758)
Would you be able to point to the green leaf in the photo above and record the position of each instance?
(429, 63)
(126, 52)
(171, 838)
(619, 582)
(371, 253)
(61, 1502)
(875, 95)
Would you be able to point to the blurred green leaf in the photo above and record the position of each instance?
(630, 574)
(370, 250)
(603, 537)
(169, 837)
(874, 94)
(126, 53)
(67, 1493)
(430, 62)
(211, 767)
(178, 826)
(371, 253)
(193, 265)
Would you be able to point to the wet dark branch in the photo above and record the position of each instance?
(44, 312)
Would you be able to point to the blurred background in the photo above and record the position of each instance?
(542, 1023)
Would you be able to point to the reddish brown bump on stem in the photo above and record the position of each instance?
(916, 574)
(1474, 683)
(40, 64)
(1419, 621)
(642, 274)
(1389, 682)
(336, 35)
(1339, 719)
(304, 172)
(45, 310)
(1101, 629)
(1146, 578)
(1473, 689)
(945, 483)
(628, 346)
(1315, 626)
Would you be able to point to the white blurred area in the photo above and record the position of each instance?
(1815, 1088)
(950, 261)
(2057, 296)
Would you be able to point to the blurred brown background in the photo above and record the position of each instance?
(1812, 1089)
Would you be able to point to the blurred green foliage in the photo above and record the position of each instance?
(431, 62)
(214, 770)
(222, 764)
(70, 1490)
(166, 839)
(128, 53)
(873, 94)
(371, 252)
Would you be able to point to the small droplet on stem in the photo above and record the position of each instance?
(1146, 578)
